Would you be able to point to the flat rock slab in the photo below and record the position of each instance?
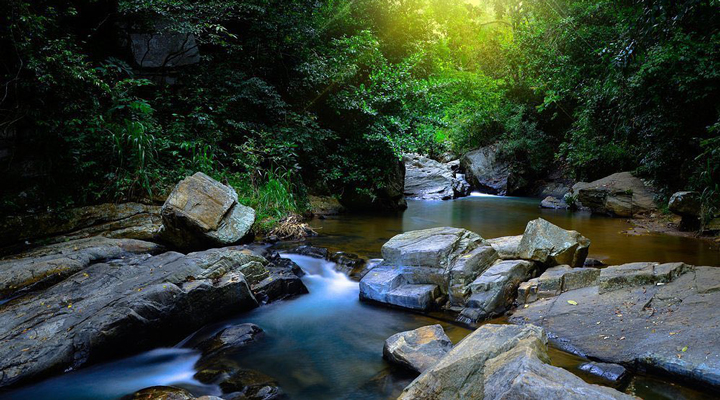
(434, 247)
(47, 265)
(418, 349)
(493, 292)
(111, 309)
(506, 246)
(672, 327)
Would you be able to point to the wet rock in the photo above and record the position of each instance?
(310, 251)
(620, 194)
(485, 172)
(283, 280)
(349, 264)
(553, 203)
(202, 211)
(418, 349)
(111, 309)
(506, 246)
(161, 393)
(610, 372)
(47, 265)
(551, 245)
(251, 385)
(556, 280)
(464, 271)
(655, 316)
(230, 339)
(593, 262)
(427, 179)
(493, 292)
(421, 267)
(502, 362)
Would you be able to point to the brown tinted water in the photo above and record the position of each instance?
(493, 216)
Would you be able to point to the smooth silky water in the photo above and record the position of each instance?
(328, 345)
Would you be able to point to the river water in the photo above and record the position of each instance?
(328, 345)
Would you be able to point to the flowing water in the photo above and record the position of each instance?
(328, 345)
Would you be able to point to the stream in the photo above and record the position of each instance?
(328, 345)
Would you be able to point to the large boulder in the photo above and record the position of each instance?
(686, 204)
(502, 362)
(118, 307)
(620, 194)
(485, 172)
(420, 268)
(551, 245)
(44, 266)
(390, 197)
(418, 349)
(660, 317)
(201, 211)
(427, 179)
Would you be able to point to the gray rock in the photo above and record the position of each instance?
(556, 280)
(47, 265)
(202, 211)
(418, 349)
(552, 245)
(111, 309)
(553, 203)
(494, 291)
(484, 171)
(427, 179)
(620, 194)
(421, 267)
(502, 362)
(161, 393)
(349, 264)
(251, 385)
(164, 50)
(434, 247)
(230, 338)
(610, 372)
(686, 204)
(666, 326)
(637, 274)
(506, 246)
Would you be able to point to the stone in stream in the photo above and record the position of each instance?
(427, 179)
(556, 280)
(201, 211)
(421, 267)
(47, 265)
(418, 349)
(610, 372)
(661, 317)
(551, 245)
(231, 338)
(110, 309)
(502, 362)
(493, 292)
(553, 203)
(620, 194)
(251, 385)
(161, 393)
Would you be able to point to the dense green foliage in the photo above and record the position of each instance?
(322, 95)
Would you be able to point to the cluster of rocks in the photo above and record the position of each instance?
(689, 207)
(80, 301)
(427, 179)
(493, 362)
(461, 271)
